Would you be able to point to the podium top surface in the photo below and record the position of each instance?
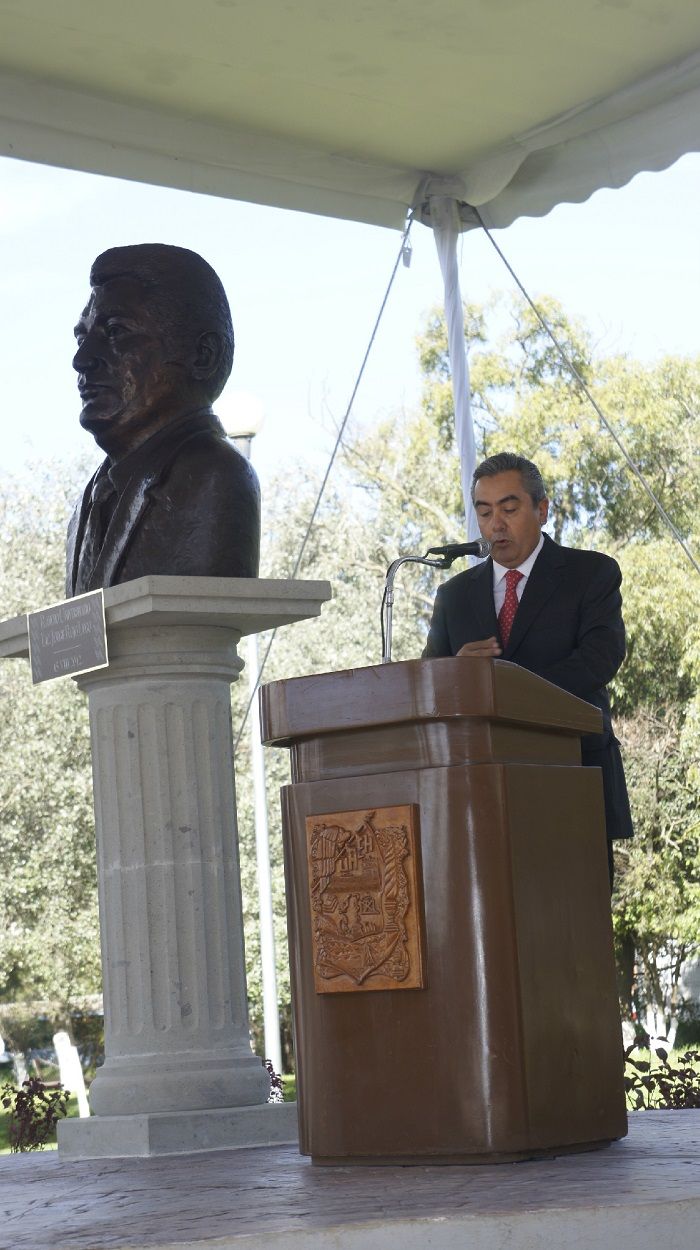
(245, 605)
(419, 690)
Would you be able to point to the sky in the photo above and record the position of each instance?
(305, 291)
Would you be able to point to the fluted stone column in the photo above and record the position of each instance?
(179, 1072)
(176, 1015)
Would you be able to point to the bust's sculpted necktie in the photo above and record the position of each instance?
(510, 605)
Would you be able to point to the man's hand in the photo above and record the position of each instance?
(489, 647)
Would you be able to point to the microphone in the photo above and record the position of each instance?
(480, 547)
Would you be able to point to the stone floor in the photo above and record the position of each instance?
(640, 1193)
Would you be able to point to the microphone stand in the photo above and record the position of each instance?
(388, 599)
(447, 555)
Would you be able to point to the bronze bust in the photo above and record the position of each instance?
(155, 348)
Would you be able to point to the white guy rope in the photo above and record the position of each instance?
(403, 254)
(595, 405)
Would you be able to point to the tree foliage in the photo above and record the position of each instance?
(48, 908)
(657, 904)
(662, 611)
(525, 397)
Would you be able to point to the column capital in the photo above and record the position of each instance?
(244, 605)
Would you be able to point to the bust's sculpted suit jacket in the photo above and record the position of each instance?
(568, 629)
(190, 507)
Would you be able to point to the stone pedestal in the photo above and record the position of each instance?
(178, 1060)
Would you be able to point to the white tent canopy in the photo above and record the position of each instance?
(347, 110)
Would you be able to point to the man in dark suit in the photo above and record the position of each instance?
(554, 610)
(174, 496)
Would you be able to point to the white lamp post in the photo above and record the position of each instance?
(243, 417)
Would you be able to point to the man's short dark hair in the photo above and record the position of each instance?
(506, 462)
(186, 292)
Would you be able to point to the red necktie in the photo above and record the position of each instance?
(510, 606)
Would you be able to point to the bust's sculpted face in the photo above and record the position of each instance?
(131, 376)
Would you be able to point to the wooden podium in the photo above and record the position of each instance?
(450, 936)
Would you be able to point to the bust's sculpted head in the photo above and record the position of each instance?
(155, 342)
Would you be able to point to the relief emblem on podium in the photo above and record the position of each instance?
(366, 900)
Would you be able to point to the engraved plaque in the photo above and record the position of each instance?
(366, 900)
(68, 638)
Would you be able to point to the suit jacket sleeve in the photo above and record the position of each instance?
(438, 641)
(599, 646)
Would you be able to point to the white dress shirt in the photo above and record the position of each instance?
(499, 576)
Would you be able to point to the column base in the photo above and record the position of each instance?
(186, 1081)
(178, 1132)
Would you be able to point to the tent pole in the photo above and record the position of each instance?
(444, 218)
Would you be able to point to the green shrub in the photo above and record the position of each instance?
(34, 1112)
(670, 1083)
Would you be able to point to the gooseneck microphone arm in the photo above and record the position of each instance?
(387, 611)
(447, 555)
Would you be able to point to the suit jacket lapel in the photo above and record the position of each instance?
(135, 497)
(543, 581)
(74, 536)
(481, 599)
(131, 506)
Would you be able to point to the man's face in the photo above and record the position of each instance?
(129, 379)
(508, 517)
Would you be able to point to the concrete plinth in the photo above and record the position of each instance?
(176, 1018)
(178, 1132)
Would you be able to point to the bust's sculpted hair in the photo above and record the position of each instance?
(184, 289)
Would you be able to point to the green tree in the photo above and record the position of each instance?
(525, 397)
(662, 610)
(657, 906)
(49, 944)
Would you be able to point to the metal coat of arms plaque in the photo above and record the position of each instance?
(366, 904)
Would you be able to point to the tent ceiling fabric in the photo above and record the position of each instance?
(348, 109)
